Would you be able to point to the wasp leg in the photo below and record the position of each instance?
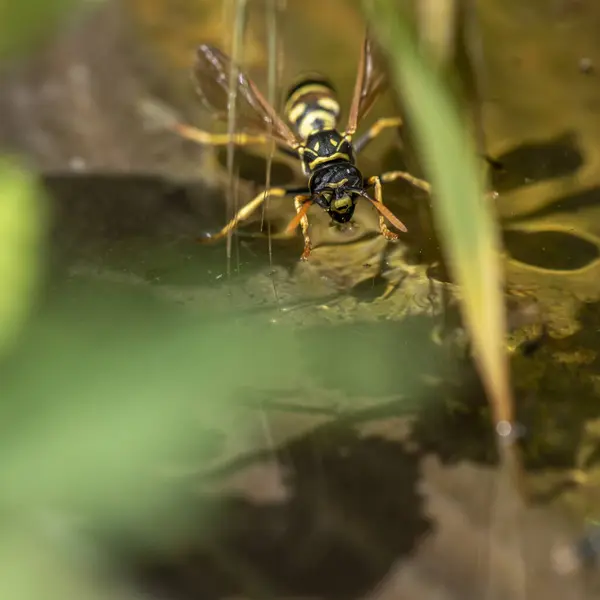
(299, 202)
(385, 232)
(377, 127)
(247, 210)
(391, 176)
(189, 132)
(395, 175)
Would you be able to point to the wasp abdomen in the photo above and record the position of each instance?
(312, 106)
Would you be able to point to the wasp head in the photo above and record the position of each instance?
(341, 205)
(339, 191)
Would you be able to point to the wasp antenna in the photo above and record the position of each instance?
(393, 219)
(299, 215)
(360, 193)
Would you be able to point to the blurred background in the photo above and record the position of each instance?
(178, 423)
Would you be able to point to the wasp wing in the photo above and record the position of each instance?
(211, 76)
(371, 80)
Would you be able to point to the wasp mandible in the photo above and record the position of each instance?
(311, 135)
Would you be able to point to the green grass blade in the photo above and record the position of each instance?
(469, 232)
(471, 241)
(22, 233)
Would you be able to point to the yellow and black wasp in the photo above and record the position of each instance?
(312, 111)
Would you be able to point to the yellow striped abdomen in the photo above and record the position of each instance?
(312, 106)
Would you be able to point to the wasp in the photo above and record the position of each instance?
(309, 133)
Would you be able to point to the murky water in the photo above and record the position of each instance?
(389, 487)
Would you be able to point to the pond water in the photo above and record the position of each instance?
(372, 474)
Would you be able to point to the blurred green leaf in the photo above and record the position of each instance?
(22, 232)
(102, 395)
(24, 23)
(470, 235)
(106, 390)
(35, 566)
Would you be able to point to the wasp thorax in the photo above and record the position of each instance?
(312, 106)
(322, 150)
